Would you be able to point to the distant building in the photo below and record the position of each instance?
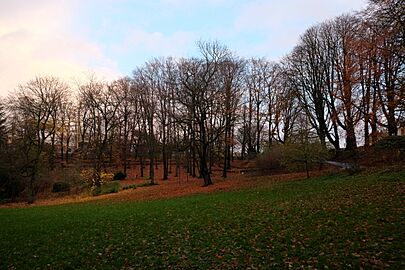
(401, 129)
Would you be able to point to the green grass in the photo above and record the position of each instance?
(335, 221)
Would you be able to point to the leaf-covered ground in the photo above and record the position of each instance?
(172, 188)
(334, 221)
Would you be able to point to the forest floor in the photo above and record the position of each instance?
(243, 175)
(173, 187)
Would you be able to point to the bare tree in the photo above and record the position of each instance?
(35, 104)
(286, 107)
(231, 75)
(125, 117)
(101, 106)
(305, 73)
(386, 19)
(258, 82)
(147, 85)
(346, 30)
(65, 129)
(163, 75)
(200, 97)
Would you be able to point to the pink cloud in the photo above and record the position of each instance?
(38, 39)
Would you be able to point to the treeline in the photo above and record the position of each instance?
(343, 82)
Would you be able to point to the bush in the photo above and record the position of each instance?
(106, 188)
(71, 176)
(391, 143)
(304, 155)
(133, 186)
(60, 187)
(271, 158)
(147, 184)
(88, 176)
(106, 177)
(111, 187)
(119, 176)
(10, 185)
(391, 148)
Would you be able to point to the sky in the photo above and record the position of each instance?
(74, 39)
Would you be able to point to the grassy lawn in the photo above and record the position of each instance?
(336, 221)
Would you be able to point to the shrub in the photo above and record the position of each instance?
(110, 187)
(391, 148)
(271, 157)
(119, 176)
(10, 185)
(106, 177)
(71, 176)
(60, 187)
(88, 176)
(129, 187)
(147, 184)
(304, 155)
(106, 188)
(95, 191)
(391, 143)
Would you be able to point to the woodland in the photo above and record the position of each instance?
(340, 89)
(216, 161)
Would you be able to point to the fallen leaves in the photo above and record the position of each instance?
(340, 223)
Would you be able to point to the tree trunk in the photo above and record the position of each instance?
(62, 152)
(226, 148)
(351, 143)
(204, 168)
(165, 162)
(193, 163)
(258, 129)
(306, 168)
(52, 154)
(232, 148)
(31, 199)
(151, 152)
(225, 169)
(152, 170)
(125, 153)
(366, 131)
(67, 149)
(392, 125)
(142, 165)
(204, 172)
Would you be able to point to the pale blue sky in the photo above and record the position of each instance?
(71, 38)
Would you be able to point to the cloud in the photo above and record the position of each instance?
(193, 3)
(38, 38)
(70, 38)
(262, 14)
(157, 43)
(280, 23)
